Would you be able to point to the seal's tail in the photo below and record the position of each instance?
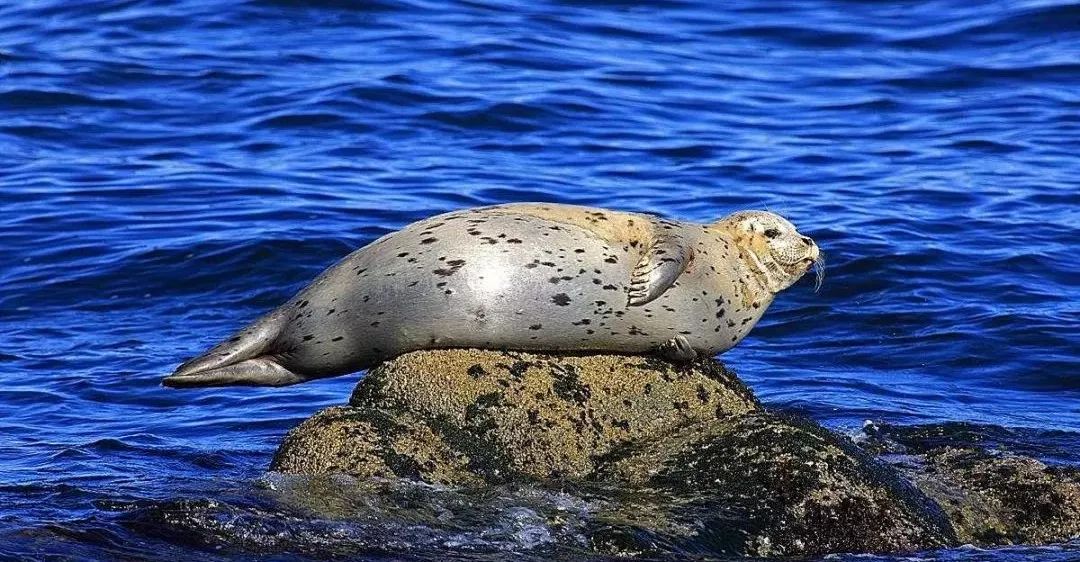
(243, 359)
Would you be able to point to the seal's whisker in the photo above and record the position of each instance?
(819, 272)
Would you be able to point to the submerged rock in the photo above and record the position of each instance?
(698, 465)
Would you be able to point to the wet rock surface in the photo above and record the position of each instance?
(983, 477)
(772, 485)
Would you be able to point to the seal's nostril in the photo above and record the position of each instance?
(806, 240)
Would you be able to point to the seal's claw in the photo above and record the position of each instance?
(678, 349)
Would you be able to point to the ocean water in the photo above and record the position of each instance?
(171, 169)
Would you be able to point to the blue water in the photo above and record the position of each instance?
(170, 170)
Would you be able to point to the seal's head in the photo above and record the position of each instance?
(776, 252)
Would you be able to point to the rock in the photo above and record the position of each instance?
(996, 500)
(697, 464)
(464, 416)
(664, 458)
(785, 486)
(992, 494)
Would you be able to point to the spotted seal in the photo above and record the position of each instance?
(541, 277)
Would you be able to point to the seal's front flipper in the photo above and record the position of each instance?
(677, 350)
(261, 371)
(660, 265)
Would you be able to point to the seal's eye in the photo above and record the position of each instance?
(771, 233)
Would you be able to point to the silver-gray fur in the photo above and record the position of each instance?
(522, 277)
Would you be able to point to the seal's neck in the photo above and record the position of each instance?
(763, 274)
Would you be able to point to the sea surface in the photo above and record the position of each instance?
(171, 169)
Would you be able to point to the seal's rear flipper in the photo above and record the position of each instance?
(245, 359)
(261, 371)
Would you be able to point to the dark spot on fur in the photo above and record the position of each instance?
(429, 240)
(561, 299)
(309, 337)
(338, 338)
(536, 326)
(403, 254)
(446, 272)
